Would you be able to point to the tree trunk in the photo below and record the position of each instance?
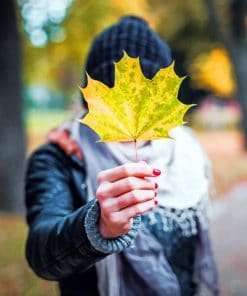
(233, 38)
(12, 151)
(238, 53)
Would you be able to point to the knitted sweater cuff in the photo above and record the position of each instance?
(108, 246)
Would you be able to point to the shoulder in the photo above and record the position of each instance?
(50, 157)
(48, 153)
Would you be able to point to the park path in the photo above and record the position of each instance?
(229, 208)
(228, 157)
(229, 237)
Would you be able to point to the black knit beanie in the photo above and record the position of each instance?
(133, 35)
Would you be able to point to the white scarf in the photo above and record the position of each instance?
(182, 184)
(184, 180)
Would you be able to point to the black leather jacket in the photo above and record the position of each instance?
(56, 199)
(58, 247)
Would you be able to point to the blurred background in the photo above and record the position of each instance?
(42, 49)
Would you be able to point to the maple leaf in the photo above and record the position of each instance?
(136, 108)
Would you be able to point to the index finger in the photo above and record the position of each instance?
(137, 169)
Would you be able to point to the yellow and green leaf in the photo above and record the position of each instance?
(136, 108)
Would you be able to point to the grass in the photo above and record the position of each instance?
(16, 278)
(42, 121)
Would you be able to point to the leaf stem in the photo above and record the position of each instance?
(135, 145)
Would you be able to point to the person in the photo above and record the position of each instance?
(103, 224)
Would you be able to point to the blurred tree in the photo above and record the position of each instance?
(209, 68)
(58, 63)
(228, 24)
(184, 25)
(11, 128)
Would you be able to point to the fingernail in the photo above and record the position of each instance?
(156, 172)
(156, 202)
(156, 185)
(155, 193)
(145, 160)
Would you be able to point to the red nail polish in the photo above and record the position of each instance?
(155, 193)
(156, 172)
(156, 202)
(156, 185)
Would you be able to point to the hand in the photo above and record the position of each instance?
(62, 138)
(123, 193)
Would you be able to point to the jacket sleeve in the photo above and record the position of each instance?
(62, 240)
